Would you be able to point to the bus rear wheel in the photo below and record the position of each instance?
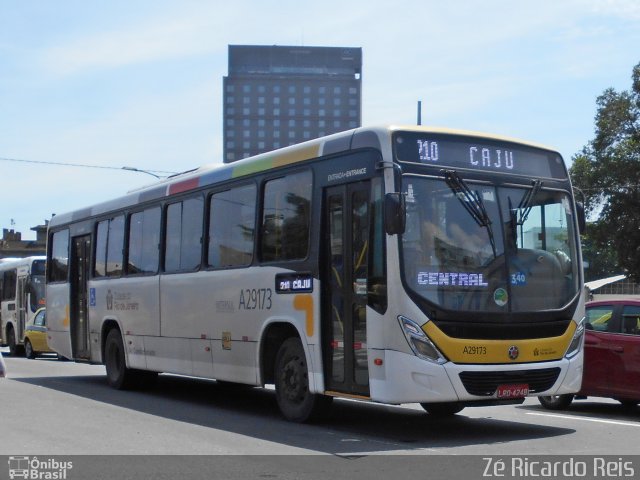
(295, 401)
(15, 350)
(118, 375)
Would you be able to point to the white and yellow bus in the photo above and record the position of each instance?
(395, 265)
(22, 288)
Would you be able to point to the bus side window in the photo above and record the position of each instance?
(59, 265)
(183, 244)
(232, 227)
(286, 218)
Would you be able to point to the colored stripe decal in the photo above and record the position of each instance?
(260, 163)
(305, 304)
(460, 350)
(183, 186)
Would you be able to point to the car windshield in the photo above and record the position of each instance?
(477, 247)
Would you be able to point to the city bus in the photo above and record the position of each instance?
(392, 264)
(22, 289)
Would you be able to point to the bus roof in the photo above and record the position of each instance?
(374, 137)
(9, 263)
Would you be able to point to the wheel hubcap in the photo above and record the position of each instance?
(293, 379)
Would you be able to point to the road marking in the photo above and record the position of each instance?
(575, 417)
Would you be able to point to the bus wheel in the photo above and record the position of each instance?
(15, 350)
(295, 400)
(443, 409)
(28, 349)
(118, 375)
(556, 402)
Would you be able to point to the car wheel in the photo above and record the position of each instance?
(444, 409)
(629, 404)
(28, 349)
(295, 400)
(556, 402)
(15, 350)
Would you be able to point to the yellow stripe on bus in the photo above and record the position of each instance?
(305, 304)
(460, 350)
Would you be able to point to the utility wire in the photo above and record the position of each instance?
(4, 159)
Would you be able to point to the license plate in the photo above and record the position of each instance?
(513, 391)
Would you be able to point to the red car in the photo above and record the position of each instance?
(611, 354)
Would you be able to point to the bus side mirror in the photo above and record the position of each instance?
(395, 213)
(582, 218)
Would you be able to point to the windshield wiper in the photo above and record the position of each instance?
(526, 204)
(472, 202)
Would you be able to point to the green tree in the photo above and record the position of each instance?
(608, 172)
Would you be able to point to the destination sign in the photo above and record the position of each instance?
(294, 282)
(454, 151)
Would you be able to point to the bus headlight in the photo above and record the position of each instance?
(420, 344)
(576, 342)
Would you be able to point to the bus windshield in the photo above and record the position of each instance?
(37, 290)
(477, 247)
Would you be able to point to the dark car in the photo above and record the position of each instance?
(611, 354)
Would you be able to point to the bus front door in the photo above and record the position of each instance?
(80, 261)
(345, 288)
(23, 304)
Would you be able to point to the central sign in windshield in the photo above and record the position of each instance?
(474, 153)
(518, 256)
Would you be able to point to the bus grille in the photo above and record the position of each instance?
(485, 384)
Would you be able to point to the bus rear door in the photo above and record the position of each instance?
(80, 264)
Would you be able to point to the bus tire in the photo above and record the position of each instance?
(15, 350)
(28, 349)
(295, 401)
(118, 375)
(556, 402)
(443, 409)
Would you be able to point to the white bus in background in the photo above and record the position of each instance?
(393, 265)
(22, 289)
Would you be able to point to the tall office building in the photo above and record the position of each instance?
(277, 96)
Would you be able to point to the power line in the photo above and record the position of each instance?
(81, 165)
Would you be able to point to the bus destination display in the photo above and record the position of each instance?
(478, 154)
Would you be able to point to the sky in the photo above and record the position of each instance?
(138, 83)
